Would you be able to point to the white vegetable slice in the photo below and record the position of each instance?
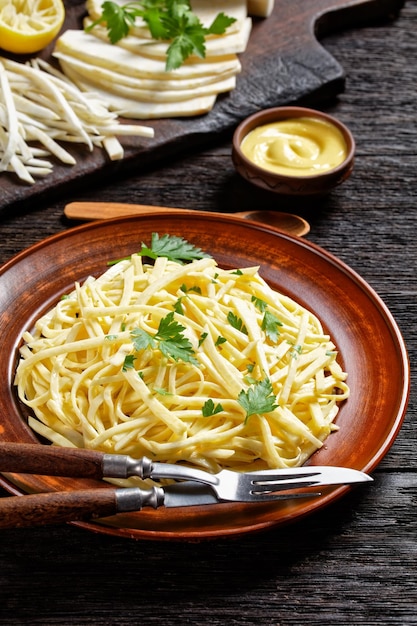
(51, 145)
(60, 102)
(106, 75)
(113, 148)
(131, 87)
(39, 104)
(88, 48)
(32, 108)
(10, 144)
(261, 8)
(134, 109)
(217, 47)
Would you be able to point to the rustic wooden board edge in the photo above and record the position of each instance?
(307, 75)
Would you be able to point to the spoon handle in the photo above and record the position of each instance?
(87, 211)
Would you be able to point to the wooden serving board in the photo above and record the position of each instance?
(283, 64)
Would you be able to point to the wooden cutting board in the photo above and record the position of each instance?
(283, 64)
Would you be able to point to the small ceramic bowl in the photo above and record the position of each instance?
(294, 184)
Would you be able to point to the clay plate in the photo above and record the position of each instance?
(371, 349)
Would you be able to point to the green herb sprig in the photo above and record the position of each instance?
(258, 399)
(169, 338)
(209, 408)
(167, 20)
(173, 247)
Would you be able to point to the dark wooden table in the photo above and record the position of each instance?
(356, 561)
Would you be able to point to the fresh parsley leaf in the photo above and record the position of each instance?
(236, 322)
(179, 349)
(167, 20)
(220, 340)
(118, 19)
(259, 303)
(270, 324)
(129, 362)
(202, 337)
(162, 392)
(142, 339)
(209, 408)
(169, 328)
(173, 247)
(178, 308)
(296, 351)
(220, 24)
(169, 338)
(194, 288)
(258, 399)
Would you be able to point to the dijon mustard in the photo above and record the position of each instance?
(300, 146)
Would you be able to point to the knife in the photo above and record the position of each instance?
(69, 506)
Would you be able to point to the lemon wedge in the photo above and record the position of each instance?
(28, 26)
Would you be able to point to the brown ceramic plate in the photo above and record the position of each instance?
(370, 344)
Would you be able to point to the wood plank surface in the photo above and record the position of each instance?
(352, 563)
(284, 63)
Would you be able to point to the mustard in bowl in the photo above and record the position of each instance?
(293, 150)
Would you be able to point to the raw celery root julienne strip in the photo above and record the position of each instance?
(92, 380)
(39, 104)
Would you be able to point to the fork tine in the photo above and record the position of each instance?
(271, 476)
(267, 487)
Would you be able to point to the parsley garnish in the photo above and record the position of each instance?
(259, 303)
(129, 362)
(162, 392)
(297, 349)
(209, 408)
(236, 322)
(258, 399)
(178, 308)
(169, 338)
(270, 325)
(168, 20)
(172, 247)
(186, 289)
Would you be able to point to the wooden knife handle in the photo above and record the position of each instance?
(27, 458)
(56, 507)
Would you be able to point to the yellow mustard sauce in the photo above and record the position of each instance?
(301, 146)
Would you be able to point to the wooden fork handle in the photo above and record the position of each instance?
(27, 458)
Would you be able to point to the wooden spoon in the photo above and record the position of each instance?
(86, 211)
